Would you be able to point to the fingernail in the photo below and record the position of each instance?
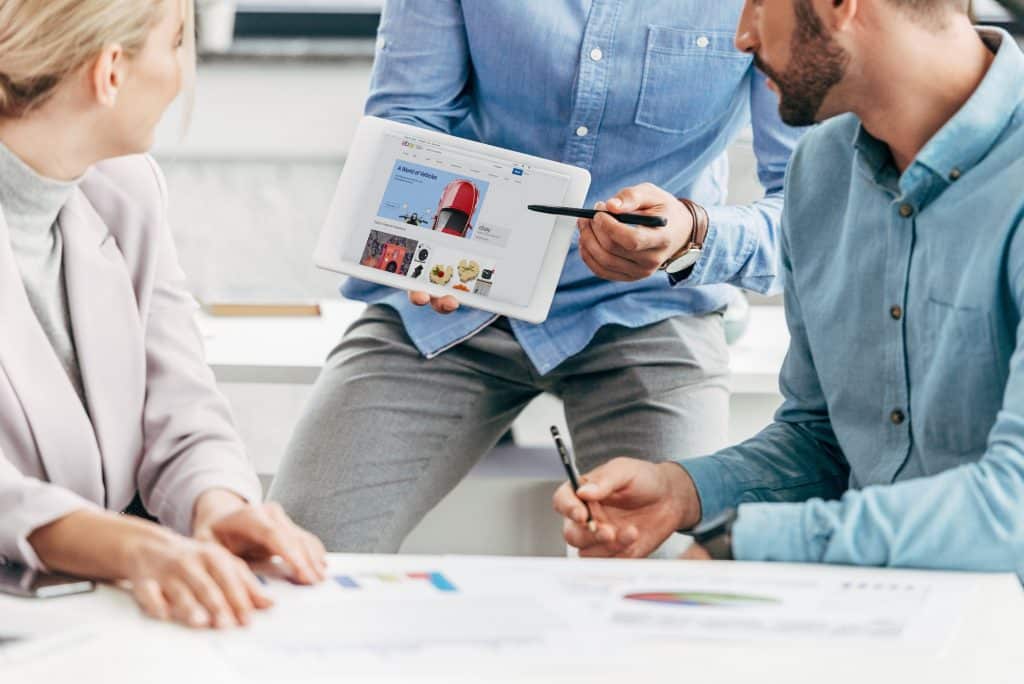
(592, 526)
(587, 489)
(199, 617)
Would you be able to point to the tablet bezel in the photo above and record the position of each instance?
(363, 156)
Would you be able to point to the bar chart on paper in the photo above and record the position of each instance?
(392, 581)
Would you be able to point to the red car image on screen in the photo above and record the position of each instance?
(456, 208)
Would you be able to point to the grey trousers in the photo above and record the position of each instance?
(387, 433)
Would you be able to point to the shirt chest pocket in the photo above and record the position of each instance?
(962, 387)
(692, 79)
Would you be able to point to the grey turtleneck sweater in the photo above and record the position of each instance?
(30, 205)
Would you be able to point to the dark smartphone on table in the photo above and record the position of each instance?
(18, 580)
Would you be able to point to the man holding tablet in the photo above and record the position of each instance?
(633, 92)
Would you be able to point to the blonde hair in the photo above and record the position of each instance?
(44, 41)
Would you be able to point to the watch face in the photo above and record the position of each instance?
(684, 262)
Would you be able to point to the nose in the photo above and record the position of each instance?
(746, 33)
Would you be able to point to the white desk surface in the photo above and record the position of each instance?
(293, 350)
(125, 647)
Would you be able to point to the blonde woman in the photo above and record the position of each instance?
(103, 390)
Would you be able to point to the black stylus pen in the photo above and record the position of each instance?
(631, 219)
(569, 462)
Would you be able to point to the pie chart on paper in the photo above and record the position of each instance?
(700, 599)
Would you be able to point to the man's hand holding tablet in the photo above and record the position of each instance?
(442, 305)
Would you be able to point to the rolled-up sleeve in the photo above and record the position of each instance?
(422, 66)
(741, 247)
(797, 456)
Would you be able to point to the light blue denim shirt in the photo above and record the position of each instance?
(901, 438)
(633, 91)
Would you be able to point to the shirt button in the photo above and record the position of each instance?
(897, 417)
(896, 312)
(906, 210)
(703, 42)
(954, 175)
(596, 54)
(582, 131)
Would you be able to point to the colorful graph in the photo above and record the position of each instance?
(368, 580)
(699, 598)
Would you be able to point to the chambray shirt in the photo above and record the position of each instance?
(633, 91)
(901, 438)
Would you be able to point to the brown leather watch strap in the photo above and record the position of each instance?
(701, 224)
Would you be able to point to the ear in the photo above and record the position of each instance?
(108, 74)
(840, 14)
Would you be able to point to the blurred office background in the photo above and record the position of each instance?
(281, 86)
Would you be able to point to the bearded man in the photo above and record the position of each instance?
(900, 441)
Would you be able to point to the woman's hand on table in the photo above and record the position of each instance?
(259, 532)
(172, 577)
(196, 583)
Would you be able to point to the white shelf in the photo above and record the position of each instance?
(292, 350)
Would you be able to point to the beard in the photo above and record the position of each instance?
(817, 64)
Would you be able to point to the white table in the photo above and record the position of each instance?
(985, 646)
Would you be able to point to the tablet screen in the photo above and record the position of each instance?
(441, 214)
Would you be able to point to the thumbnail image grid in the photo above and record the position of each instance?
(428, 263)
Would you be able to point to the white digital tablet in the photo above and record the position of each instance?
(419, 210)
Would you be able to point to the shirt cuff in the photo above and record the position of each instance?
(727, 247)
(771, 532)
(712, 490)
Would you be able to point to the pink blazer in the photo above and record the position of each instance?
(156, 423)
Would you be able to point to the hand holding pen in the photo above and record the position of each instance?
(617, 251)
(569, 463)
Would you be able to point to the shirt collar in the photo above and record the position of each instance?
(966, 138)
(971, 133)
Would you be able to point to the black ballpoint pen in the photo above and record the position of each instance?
(569, 462)
(645, 220)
